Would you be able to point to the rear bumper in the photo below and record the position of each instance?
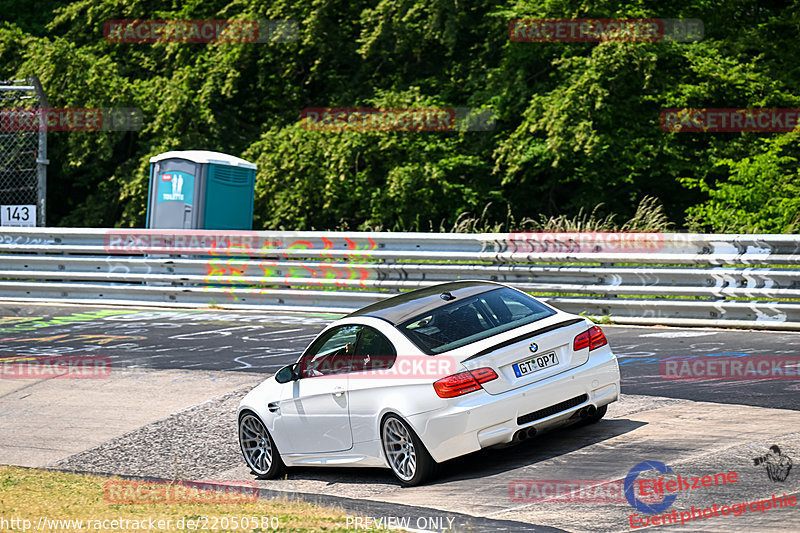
(479, 419)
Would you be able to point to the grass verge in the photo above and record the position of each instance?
(49, 500)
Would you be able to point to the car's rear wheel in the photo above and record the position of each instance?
(409, 460)
(258, 448)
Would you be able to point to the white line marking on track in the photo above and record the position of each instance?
(679, 334)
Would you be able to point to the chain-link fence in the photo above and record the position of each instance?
(23, 155)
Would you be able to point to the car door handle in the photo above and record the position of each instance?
(273, 407)
(338, 391)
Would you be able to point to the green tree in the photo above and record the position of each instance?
(760, 195)
(578, 123)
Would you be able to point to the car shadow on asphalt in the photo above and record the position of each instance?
(486, 462)
(543, 447)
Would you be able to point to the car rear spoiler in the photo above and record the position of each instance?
(535, 333)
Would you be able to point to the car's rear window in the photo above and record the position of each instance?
(473, 319)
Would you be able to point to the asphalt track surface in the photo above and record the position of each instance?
(178, 376)
(263, 343)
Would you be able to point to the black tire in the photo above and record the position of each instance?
(258, 448)
(408, 458)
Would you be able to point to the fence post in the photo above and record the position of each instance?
(41, 157)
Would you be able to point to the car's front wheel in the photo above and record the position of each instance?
(405, 453)
(258, 448)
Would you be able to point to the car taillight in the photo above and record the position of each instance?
(592, 338)
(463, 383)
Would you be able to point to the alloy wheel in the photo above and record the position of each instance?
(256, 444)
(399, 447)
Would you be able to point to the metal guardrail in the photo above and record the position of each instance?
(636, 278)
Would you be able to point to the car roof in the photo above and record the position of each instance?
(402, 307)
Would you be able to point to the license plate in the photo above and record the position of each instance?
(535, 364)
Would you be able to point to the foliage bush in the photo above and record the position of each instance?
(577, 130)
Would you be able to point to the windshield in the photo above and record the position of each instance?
(473, 319)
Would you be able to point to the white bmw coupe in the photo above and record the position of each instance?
(426, 376)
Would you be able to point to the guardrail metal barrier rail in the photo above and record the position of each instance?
(632, 278)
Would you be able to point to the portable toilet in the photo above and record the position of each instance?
(197, 189)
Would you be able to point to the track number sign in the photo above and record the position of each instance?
(17, 215)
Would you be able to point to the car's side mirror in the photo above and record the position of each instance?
(286, 374)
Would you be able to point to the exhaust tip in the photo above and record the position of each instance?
(588, 411)
(525, 434)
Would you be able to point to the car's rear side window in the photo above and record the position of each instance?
(373, 352)
(472, 319)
